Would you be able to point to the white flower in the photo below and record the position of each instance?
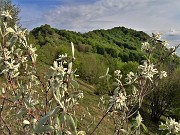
(20, 34)
(6, 54)
(172, 126)
(156, 36)
(172, 50)
(131, 77)
(62, 57)
(145, 46)
(165, 43)
(139, 119)
(148, 71)
(80, 95)
(6, 14)
(118, 100)
(11, 65)
(81, 133)
(32, 53)
(163, 74)
(56, 67)
(118, 73)
(31, 49)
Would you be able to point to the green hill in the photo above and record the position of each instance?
(118, 42)
(117, 48)
(95, 51)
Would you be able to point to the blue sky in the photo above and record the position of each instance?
(85, 15)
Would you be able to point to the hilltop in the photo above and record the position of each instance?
(95, 51)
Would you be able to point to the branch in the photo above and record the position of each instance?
(170, 53)
(9, 131)
(101, 120)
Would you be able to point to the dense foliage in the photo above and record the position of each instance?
(44, 100)
(118, 42)
(117, 48)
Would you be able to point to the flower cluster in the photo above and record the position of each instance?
(147, 70)
(119, 101)
(145, 47)
(44, 106)
(131, 78)
(128, 95)
(156, 36)
(171, 126)
(6, 14)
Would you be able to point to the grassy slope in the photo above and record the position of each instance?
(91, 101)
(106, 127)
(111, 38)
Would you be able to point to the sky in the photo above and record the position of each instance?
(85, 15)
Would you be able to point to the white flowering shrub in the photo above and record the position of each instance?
(171, 127)
(128, 94)
(32, 106)
(28, 105)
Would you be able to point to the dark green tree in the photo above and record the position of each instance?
(164, 98)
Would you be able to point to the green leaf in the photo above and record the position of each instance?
(71, 123)
(46, 117)
(165, 132)
(72, 46)
(10, 30)
(44, 128)
(53, 112)
(12, 41)
(16, 74)
(21, 112)
(62, 117)
(27, 102)
(43, 120)
(162, 127)
(75, 84)
(57, 121)
(144, 127)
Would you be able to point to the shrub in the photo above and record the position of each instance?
(30, 105)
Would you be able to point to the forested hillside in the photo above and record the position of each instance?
(119, 42)
(116, 81)
(116, 48)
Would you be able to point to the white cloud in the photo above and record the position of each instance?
(83, 16)
(137, 14)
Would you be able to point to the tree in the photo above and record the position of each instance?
(50, 110)
(13, 9)
(48, 106)
(164, 96)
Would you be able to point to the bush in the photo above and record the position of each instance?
(47, 106)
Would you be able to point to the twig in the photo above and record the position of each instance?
(1, 118)
(46, 92)
(162, 59)
(9, 131)
(101, 120)
(2, 97)
(133, 113)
